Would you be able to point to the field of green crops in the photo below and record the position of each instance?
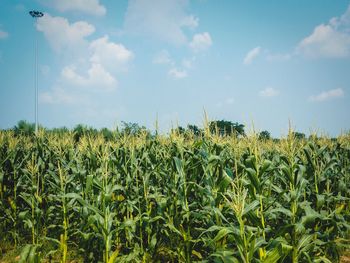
(175, 198)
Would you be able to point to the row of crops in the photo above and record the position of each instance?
(175, 198)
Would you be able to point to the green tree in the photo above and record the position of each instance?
(299, 135)
(179, 130)
(25, 128)
(228, 128)
(131, 128)
(83, 130)
(264, 135)
(194, 129)
(107, 134)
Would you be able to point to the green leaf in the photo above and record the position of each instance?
(304, 242)
(273, 255)
(222, 233)
(225, 256)
(254, 180)
(114, 256)
(251, 206)
(25, 253)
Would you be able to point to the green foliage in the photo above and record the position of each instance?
(82, 130)
(299, 135)
(264, 135)
(24, 128)
(194, 129)
(130, 128)
(226, 128)
(130, 197)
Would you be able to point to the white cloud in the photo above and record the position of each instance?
(166, 20)
(3, 34)
(163, 57)
(268, 92)
(94, 74)
(327, 95)
(177, 74)
(104, 56)
(326, 41)
(188, 62)
(56, 96)
(61, 34)
(92, 7)
(251, 55)
(190, 21)
(97, 78)
(201, 42)
(330, 40)
(176, 70)
(343, 21)
(112, 56)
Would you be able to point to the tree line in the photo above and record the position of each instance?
(218, 127)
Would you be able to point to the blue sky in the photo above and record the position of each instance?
(102, 62)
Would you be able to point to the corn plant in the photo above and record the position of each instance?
(177, 198)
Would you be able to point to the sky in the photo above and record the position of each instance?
(100, 62)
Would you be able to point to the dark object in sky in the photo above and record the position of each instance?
(36, 13)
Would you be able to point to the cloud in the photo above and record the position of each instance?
(176, 70)
(177, 74)
(331, 40)
(166, 20)
(201, 42)
(95, 63)
(328, 95)
(190, 21)
(91, 7)
(188, 62)
(104, 55)
(163, 57)
(56, 96)
(97, 78)
(106, 59)
(342, 22)
(326, 41)
(112, 56)
(268, 92)
(61, 34)
(3, 34)
(251, 55)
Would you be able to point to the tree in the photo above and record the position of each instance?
(194, 129)
(107, 134)
(264, 136)
(299, 135)
(83, 130)
(228, 128)
(179, 130)
(25, 128)
(59, 131)
(130, 128)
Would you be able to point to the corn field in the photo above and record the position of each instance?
(175, 198)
